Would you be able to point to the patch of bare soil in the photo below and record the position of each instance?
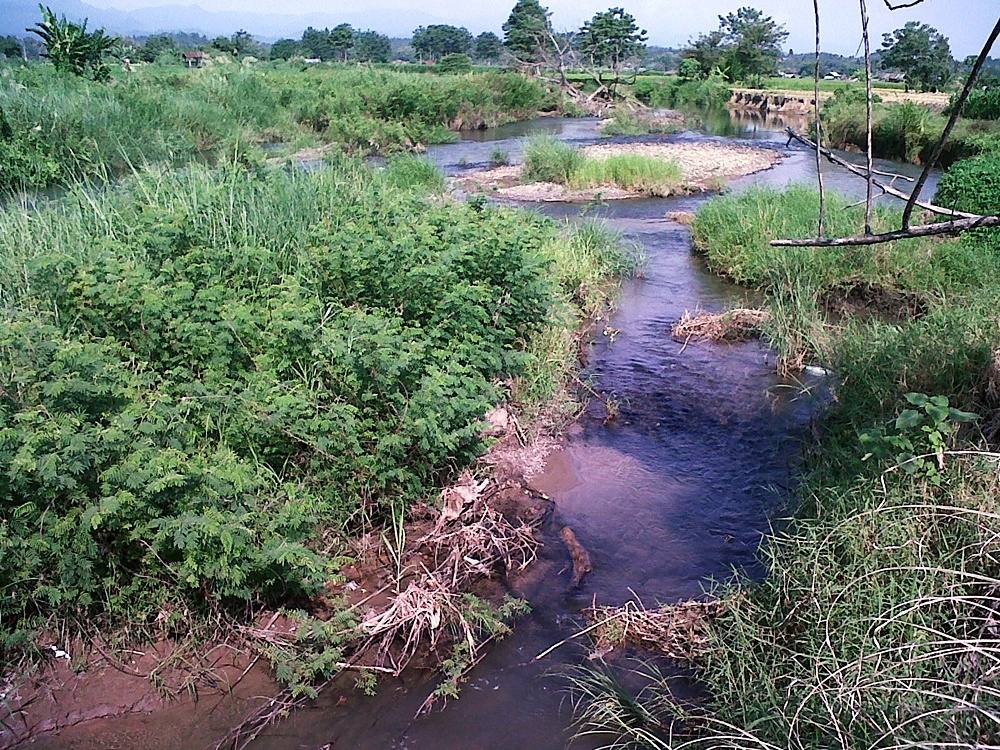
(739, 324)
(864, 299)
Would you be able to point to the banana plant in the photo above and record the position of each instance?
(71, 48)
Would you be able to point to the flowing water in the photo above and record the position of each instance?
(673, 494)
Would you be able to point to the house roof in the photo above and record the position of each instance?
(193, 54)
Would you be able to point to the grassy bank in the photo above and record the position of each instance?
(906, 131)
(876, 624)
(214, 379)
(547, 159)
(55, 128)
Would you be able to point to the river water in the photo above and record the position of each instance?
(675, 493)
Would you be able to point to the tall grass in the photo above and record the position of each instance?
(875, 627)
(63, 127)
(547, 159)
(644, 174)
(906, 131)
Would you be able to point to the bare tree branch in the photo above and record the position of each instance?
(898, 6)
(956, 110)
(923, 230)
(819, 130)
(889, 189)
(870, 157)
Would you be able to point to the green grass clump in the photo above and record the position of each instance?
(408, 171)
(214, 377)
(547, 159)
(644, 174)
(874, 625)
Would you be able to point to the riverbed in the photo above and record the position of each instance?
(674, 494)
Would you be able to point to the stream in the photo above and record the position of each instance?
(678, 491)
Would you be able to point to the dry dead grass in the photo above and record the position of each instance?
(739, 324)
(679, 631)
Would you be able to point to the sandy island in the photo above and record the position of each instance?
(705, 166)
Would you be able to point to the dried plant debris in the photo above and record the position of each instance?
(679, 631)
(738, 324)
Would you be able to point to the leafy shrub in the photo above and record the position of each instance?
(982, 104)
(239, 366)
(972, 185)
(454, 63)
(661, 91)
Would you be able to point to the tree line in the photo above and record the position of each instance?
(747, 46)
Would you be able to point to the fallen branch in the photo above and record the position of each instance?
(923, 230)
(889, 189)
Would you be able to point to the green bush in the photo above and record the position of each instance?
(455, 63)
(211, 377)
(972, 185)
(663, 91)
(982, 104)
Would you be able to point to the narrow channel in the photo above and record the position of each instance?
(675, 493)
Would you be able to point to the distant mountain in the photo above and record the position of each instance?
(17, 15)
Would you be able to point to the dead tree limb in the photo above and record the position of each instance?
(922, 230)
(869, 97)
(956, 110)
(889, 189)
(819, 129)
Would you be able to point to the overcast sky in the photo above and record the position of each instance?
(669, 22)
